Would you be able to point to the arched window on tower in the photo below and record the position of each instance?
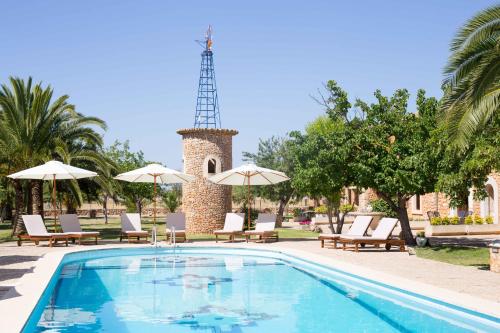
(212, 166)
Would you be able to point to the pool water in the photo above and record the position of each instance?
(155, 291)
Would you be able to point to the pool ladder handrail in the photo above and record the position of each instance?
(172, 238)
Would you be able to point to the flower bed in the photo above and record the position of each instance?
(450, 226)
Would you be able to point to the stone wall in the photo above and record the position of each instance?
(204, 203)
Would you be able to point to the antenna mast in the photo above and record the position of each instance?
(207, 104)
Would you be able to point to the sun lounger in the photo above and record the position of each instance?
(131, 227)
(358, 228)
(233, 226)
(71, 225)
(37, 232)
(264, 228)
(176, 223)
(381, 235)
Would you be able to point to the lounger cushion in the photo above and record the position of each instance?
(255, 232)
(360, 225)
(176, 220)
(70, 223)
(131, 222)
(135, 232)
(50, 234)
(361, 238)
(84, 233)
(329, 236)
(225, 232)
(234, 222)
(34, 225)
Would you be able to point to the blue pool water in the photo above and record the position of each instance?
(208, 290)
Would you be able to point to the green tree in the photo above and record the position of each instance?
(395, 156)
(32, 125)
(276, 154)
(134, 195)
(324, 154)
(172, 197)
(472, 76)
(464, 169)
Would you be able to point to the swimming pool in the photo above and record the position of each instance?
(230, 290)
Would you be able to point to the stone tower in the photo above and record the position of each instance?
(206, 151)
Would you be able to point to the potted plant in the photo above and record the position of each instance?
(298, 215)
(421, 239)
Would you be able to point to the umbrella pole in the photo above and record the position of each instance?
(249, 204)
(54, 201)
(154, 202)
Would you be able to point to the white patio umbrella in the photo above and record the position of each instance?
(53, 170)
(156, 174)
(249, 174)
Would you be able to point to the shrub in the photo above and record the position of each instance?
(489, 219)
(381, 206)
(321, 209)
(346, 208)
(421, 234)
(436, 221)
(469, 220)
(454, 220)
(478, 219)
(445, 220)
(297, 212)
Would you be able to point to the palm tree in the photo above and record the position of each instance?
(32, 126)
(472, 76)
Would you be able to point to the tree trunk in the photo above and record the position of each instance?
(105, 209)
(29, 190)
(138, 206)
(17, 224)
(37, 194)
(340, 221)
(329, 212)
(281, 210)
(407, 235)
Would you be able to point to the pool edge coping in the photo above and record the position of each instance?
(31, 286)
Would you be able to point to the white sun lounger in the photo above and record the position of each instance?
(381, 235)
(358, 228)
(71, 225)
(177, 222)
(264, 228)
(37, 231)
(233, 226)
(131, 227)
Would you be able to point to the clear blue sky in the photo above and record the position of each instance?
(135, 63)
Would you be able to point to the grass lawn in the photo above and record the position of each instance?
(466, 256)
(112, 229)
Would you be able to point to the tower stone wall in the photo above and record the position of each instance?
(205, 203)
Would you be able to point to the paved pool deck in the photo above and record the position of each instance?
(469, 287)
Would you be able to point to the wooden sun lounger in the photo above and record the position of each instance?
(177, 221)
(381, 235)
(233, 226)
(71, 226)
(262, 235)
(264, 228)
(131, 227)
(52, 238)
(37, 232)
(358, 228)
(376, 242)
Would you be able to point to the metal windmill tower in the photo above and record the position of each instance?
(207, 104)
